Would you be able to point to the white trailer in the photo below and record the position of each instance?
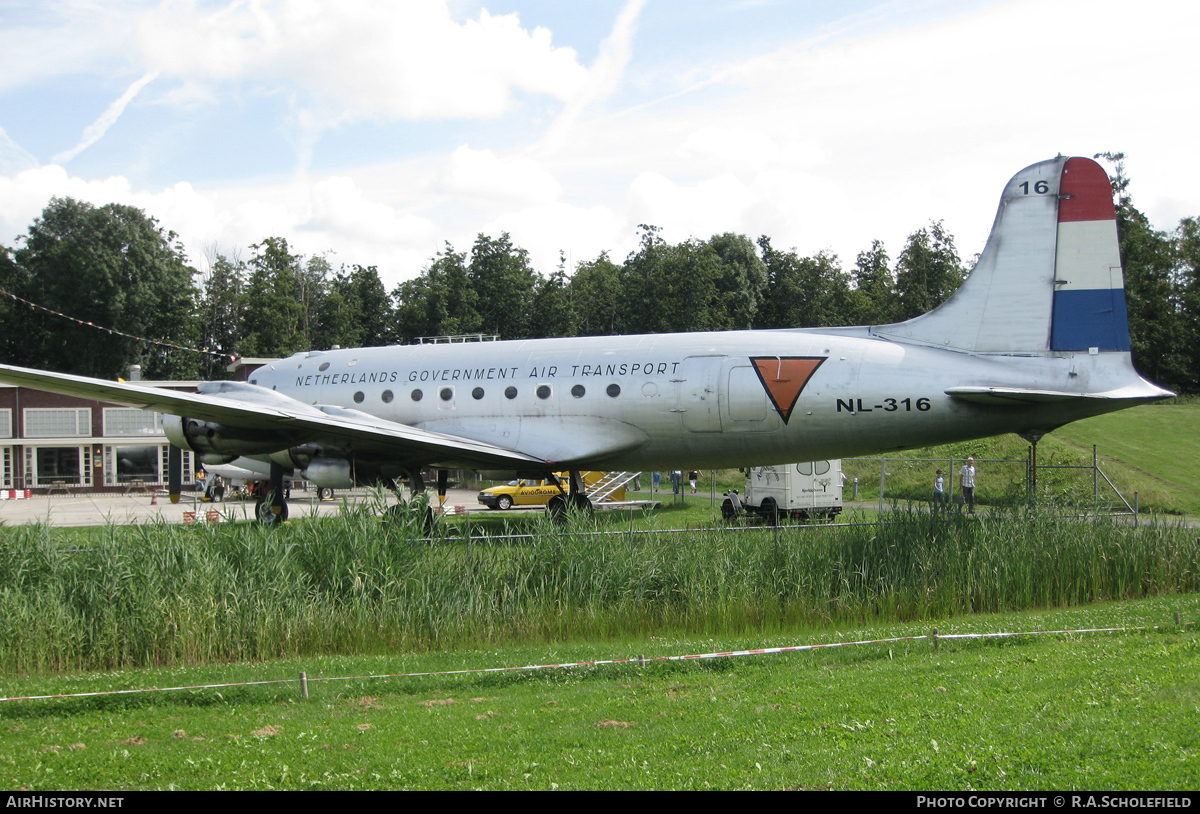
(803, 490)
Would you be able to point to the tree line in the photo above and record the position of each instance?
(114, 267)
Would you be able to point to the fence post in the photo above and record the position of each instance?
(304, 684)
(1137, 510)
(1095, 482)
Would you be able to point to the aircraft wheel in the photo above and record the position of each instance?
(581, 503)
(727, 512)
(264, 514)
(504, 502)
(325, 493)
(557, 509)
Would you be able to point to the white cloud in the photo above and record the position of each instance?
(581, 233)
(364, 58)
(698, 210)
(482, 174)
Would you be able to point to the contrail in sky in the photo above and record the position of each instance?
(94, 131)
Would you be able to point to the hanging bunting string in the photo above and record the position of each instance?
(115, 332)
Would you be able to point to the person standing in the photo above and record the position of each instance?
(966, 482)
(693, 476)
(676, 480)
(939, 493)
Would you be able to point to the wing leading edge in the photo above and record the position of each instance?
(240, 405)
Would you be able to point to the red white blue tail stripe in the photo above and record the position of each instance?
(1089, 290)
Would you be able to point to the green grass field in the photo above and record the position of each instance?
(1061, 712)
(1153, 450)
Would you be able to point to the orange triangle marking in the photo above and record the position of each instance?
(784, 378)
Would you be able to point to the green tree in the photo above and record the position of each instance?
(1187, 242)
(273, 318)
(553, 308)
(220, 312)
(1149, 258)
(439, 302)
(668, 288)
(802, 292)
(741, 280)
(114, 267)
(873, 300)
(928, 271)
(596, 293)
(504, 285)
(355, 311)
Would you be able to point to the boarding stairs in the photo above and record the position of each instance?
(603, 489)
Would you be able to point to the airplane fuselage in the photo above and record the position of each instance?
(700, 399)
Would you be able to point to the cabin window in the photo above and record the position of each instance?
(578, 391)
(477, 393)
(446, 393)
(324, 366)
(510, 392)
(386, 396)
(543, 391)
(359, 396)
(416, 395)
(614, 390)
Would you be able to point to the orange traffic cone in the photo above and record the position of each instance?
(153, 498)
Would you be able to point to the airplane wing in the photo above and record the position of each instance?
(250, 407)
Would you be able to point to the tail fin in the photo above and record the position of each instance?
(1049, 279)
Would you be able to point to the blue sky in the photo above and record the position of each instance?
(376, 131)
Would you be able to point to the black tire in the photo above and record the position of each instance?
(264, 514)
(770, 512)
(504, 502)
(556, 508)
(325, 493)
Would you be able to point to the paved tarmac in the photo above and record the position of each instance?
(101, 509)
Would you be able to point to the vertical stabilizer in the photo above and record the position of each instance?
(1049, 278)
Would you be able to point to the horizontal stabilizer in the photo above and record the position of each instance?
(1019, 396)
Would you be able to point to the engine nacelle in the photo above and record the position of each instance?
(220, 443)
(327, 468)
(332, 473)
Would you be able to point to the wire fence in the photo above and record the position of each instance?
(1009, 484)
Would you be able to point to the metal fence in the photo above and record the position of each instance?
(1000, 483)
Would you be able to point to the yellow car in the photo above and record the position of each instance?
(531, 492)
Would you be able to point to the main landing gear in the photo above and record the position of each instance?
(574, 501)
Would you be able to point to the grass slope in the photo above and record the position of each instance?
(1153, 450)
(1057, 712)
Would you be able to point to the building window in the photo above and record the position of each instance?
(58, 423)
(6, 423)
(6, 468)
(125, 464)
(48, 466)
(123, 421)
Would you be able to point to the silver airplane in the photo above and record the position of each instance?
(1036, 337)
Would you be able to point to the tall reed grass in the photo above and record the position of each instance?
(158, 594)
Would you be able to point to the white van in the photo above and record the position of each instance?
(804, 490)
